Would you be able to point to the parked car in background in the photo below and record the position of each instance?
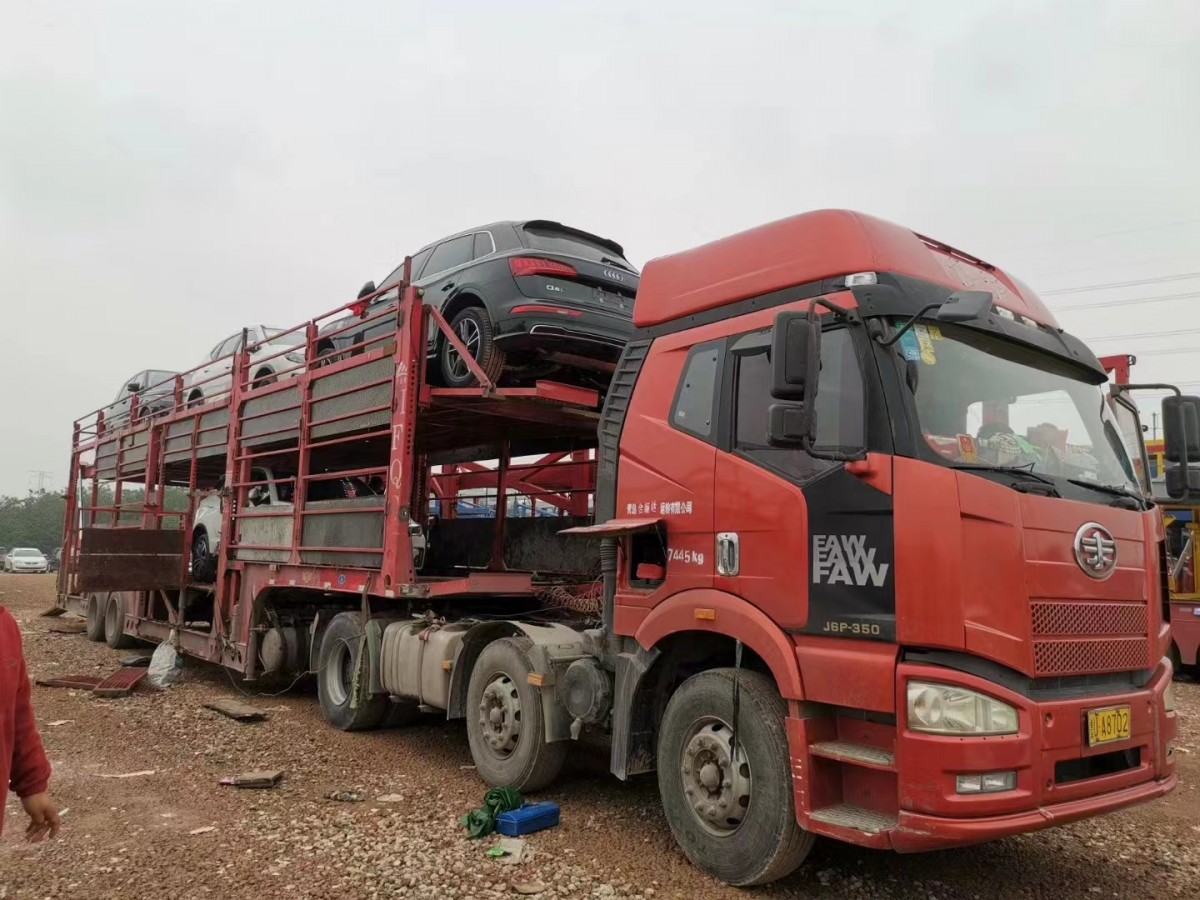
(275, 492)
(155, 390)
(274, 354)
(530, 297)
(25, 559)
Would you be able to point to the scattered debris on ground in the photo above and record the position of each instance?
(78, 682)
(236, 709)
(68, 626)
(481, 822)
(265, 778)
(120, 683)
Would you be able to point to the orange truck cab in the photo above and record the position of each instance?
(877, 562)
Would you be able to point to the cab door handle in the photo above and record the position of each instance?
(728, 553)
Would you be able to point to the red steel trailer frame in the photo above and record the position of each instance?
(386, 398)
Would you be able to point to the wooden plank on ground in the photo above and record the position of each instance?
(235, 709)
(83, 682)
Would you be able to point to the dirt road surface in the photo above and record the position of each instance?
(177, 833)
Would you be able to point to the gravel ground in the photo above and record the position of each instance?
(178, 833)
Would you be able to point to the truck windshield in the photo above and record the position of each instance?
(989, 402)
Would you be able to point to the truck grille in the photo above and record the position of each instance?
(1076, 637)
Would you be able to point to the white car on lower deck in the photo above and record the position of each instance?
(271, 496)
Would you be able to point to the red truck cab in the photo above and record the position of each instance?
(870, 472)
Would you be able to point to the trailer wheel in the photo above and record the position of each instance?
(473, 326)
(733, 814)
(505, 722)
(114, 624)
(204, 563)
(347, 706)
(97, 606)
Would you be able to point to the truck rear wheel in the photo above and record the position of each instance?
(346, 702)
(505, 722)
(732, 812)
(114, 623)
(97, 606)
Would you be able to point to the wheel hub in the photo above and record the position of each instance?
(467, 332)
(716, 783)
(500, 715)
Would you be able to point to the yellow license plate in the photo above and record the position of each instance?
(1107, 725)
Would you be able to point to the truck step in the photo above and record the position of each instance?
(844, 815)
(859, 754)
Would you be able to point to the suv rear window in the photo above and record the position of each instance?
(553, 240)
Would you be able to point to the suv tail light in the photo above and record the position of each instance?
(532, 265)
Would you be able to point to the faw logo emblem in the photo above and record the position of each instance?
(1095, 550)
(845, 559)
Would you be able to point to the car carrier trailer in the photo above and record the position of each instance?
(800, 568)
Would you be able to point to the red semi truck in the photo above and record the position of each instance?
(852, 548)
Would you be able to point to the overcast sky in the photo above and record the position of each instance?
(170, 172)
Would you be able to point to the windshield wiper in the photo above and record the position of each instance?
(1114, 489)
(1020, 471)
(616, 262)
(1015, 470)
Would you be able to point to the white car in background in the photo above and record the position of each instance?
(277, 495)
(26, 559)
(274, 354)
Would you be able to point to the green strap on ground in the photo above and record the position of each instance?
(482, 821)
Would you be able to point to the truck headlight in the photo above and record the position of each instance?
(942, 709)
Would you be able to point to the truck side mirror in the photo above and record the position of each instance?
(795, 357)
(1181, 445)
(1181, 484)
(795, 371)
(1181, 429)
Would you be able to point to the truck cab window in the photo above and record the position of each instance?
(840, 413)
(692, 410)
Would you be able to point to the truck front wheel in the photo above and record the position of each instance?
(731, 810)
(505, 722)
(341, 688)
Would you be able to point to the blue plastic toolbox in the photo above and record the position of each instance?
(530, 817)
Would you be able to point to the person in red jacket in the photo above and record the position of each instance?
(23, 765)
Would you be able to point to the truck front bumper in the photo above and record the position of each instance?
(1059, 777)
(916, 832)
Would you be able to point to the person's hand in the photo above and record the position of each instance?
(43, 817)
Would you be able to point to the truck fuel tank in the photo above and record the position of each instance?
(415, 657)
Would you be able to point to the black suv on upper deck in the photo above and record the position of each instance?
(530, 297)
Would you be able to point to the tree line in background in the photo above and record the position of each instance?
(36, 520)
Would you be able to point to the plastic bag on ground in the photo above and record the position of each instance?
(166, 665)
